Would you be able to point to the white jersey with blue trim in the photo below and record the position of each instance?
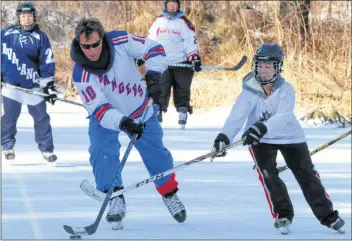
(275, 111)
(177, 35)
(120, 91)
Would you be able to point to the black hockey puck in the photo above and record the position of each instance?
(75, 237)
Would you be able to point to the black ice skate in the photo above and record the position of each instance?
(175, 207)
(117, 212)
(283, 225)
(337, 225)
(49, 156)
(9, 154)
(182, 121)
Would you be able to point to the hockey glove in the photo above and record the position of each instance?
(220, 142)
(254, 133)
(50, 90)
(154, 88)
(131, 127)
(196, 62)
(139, 62)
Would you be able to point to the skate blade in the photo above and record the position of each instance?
(182, 127)
(117, 225)
(284, 231)
(340, 231)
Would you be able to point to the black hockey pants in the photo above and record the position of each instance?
(180, 79)
(298, 160)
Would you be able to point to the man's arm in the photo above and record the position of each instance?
(46, 61)
(189, 39)
(152, 53)
(94, 100)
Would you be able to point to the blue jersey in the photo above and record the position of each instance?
(26, 57)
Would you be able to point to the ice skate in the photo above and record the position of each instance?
(182, 117)
(337, 225)
(50, 157)
(117, 212)
(175, 207)
(283, 225)
(9, 154)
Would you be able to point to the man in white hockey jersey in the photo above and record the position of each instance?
(267, 104)
(177, 34)
(112, 91)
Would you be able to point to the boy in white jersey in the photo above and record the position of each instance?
(177, 34)
(112, 91)
(267, 103)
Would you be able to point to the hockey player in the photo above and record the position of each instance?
(177, 34)
(111, 89)
(27, 61)
(267, 104)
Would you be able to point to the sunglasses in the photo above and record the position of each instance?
(87, 46)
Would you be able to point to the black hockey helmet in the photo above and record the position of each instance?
(26, 7)
(268, 53)
(176, 1)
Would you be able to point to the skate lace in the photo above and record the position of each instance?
(173, 204)
(117, 206)
(282, 222)
(9, 151)
(183, 116)
(48, 154)
(334, 224)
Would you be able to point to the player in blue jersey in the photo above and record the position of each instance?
(27, 61)
(266, 104)
(112, 90)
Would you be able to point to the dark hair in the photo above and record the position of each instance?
(88, 26)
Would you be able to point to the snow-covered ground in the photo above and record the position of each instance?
(224, 198)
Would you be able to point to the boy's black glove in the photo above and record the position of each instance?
(219, 143)
(254, 133)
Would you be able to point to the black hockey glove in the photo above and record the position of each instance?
(220, 142)
(196, 62)
(139, 62)
(128, 125)
(154, 88)
(50, 90)
(254, 133)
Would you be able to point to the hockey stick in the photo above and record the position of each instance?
(235, 68)
(283, 168)
(91, 229)
(322, 147)
(35, 92)
(91, 191)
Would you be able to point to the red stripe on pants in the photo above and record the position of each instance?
(261, 179)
